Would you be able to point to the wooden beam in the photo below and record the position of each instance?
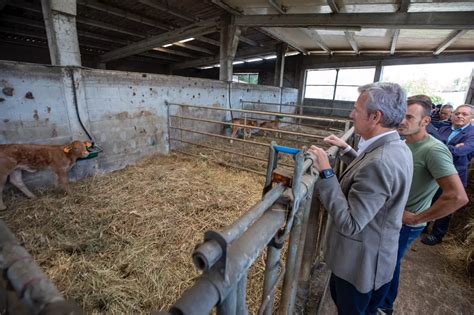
(208, 40)
(404, 5)
(276, 34)
(200, 28)
(332, 4)
(313, 34)
(393, 45)
(454, 36)
(249, 41)
(417, 20)
(166, 9)
(280, 9)
(350, 38)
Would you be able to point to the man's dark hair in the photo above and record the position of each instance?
(422, 100)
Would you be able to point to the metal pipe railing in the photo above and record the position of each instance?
(227, 256)
(294, 105)
(260, 112)
(33, 287)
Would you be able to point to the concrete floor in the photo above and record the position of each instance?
(429, 285)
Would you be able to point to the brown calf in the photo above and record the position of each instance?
(271, 124)
(243, 121)
(33, 157)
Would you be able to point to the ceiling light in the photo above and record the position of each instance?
(167, 45)
(207, 67)
(217, 65)
(253, 59)
(292, 53)
(237, 62)
(186, 40)
(270, 57)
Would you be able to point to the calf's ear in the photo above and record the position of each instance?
(88, 144)
(67, 149)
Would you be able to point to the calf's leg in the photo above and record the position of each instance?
(17, 181)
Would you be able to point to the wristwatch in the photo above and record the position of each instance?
(327, 173)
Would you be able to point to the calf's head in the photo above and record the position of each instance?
(77, 149)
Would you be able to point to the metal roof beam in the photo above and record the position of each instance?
(174, 52)
(167, 10)
(417, 20)
(195, 48)
(93, 4)
(196, 29)
(454, 36)
(244, 53)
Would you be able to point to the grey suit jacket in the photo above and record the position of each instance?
(365, 212)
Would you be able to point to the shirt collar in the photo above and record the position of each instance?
(460, 129)
(364, 144)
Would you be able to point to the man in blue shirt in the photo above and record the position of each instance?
(459, 138)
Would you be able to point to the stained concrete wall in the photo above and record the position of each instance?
(126, 112)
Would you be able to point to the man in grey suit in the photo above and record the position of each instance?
(366, 206)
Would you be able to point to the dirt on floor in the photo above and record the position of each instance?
(429, 284)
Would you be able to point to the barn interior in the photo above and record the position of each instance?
(157, 85)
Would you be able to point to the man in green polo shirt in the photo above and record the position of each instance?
(433, 168)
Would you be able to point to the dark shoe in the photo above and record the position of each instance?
(381, 311)
(430, 240)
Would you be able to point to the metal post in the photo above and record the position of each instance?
(311, 241)
(291, 258)
(271, 275)
(229, 305)
(241, 296)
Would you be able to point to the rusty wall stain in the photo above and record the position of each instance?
(8, 91)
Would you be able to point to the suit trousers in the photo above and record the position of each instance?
(349, 301)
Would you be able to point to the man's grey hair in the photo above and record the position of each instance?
(388, 98)
(448, 106)
(471, 107)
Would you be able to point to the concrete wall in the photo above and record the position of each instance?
(126, 112)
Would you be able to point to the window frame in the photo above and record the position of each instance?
(335, 85)
(248, 76)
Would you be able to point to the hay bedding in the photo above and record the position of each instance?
(122, 242)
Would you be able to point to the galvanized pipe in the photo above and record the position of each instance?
(242, 296)
(211, 288)
(300, 250)
(270, 279)
(229, 305)
(291, 105)
(206, 254)
(261, 113)
(311, 241)
(291, 258)
(294, 133)
(26, 277)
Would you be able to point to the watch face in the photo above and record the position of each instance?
(327, 173)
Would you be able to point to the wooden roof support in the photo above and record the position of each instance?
(196, 29)
(454, 36)
(416, 20)
(404, 4)
(229, 41)
(349, 35)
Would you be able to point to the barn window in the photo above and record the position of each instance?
(338, 83)
(251, 78)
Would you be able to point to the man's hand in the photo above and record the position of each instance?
(459, 145)
(321, 161)
(333, 140)
(409, 218)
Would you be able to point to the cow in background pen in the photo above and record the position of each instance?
(244, 122)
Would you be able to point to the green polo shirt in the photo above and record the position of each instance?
(431, 160)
